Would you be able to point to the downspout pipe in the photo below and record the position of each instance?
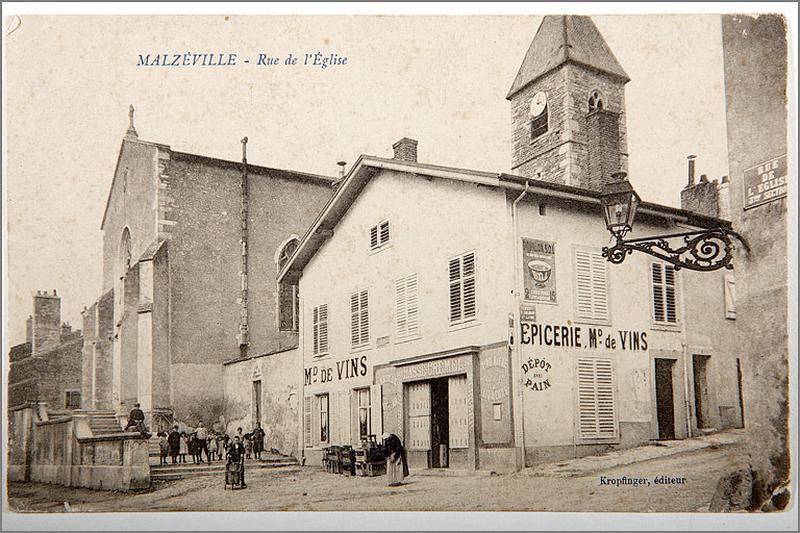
(517, 398)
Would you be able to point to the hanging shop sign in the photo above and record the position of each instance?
(765, 182)
(539, 270)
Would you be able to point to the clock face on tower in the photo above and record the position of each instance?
(538, 104)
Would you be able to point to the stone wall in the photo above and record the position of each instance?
(64, 451)
(46, 376)
(98, 328)
(279, 375)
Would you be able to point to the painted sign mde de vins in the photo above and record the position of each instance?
(539, 270)
(765, 182)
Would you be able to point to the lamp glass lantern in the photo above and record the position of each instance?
(620, 202)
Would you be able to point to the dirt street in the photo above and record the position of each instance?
(694, 476)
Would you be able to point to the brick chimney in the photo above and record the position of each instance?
(701, 197)
(405, 150)
(603, 149)
(46, 328)
(724, 192)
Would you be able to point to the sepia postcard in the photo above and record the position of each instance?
(400, 267)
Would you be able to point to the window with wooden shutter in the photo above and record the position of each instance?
(359, 318)
(320, 329)
(307, 422)
(597, 417)
(730, 295)
(406, 307)
(463, 302)
(379, 235)
(288, 305)
(665, 304)
(591, 286)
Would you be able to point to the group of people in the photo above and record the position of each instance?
(201, 441)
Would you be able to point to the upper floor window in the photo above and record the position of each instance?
(406, 306)
(288, 293)
(591, 286)
(379, 235)
(319, 321)
(665, 299)
(359, 318)
(596, 101)
(463, 305)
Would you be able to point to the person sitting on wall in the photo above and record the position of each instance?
(396, 461)
(136, 420)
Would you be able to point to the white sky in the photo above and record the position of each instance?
(443, 81)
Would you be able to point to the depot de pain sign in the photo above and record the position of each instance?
(765, 182)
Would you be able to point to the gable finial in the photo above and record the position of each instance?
(131, 130)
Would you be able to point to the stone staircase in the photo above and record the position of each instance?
(104, 423)
(169, 472)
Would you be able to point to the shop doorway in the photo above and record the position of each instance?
(665, 405)
(701, 400)
(440, 424)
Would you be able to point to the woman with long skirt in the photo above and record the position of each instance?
(396, 461)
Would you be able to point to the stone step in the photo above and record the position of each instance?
(166, 474)
(219, 465)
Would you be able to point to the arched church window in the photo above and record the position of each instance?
(596, 101)
(288, 294)
(125, 252)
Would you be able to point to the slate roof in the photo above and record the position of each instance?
(561, 39)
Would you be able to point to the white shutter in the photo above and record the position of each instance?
(364, 308)
(596, 402)
(591, 286)
(354, 319)
(376, 404)
(470, 306)
(307, 431)
(457, 411)
(401, 309)
(730, 295)
(419, 416)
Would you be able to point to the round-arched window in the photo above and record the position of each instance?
(596, 101)
(287, 251)
(125, 252)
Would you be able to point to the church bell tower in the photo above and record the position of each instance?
(568, 106)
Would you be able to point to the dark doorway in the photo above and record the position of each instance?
(701, 405)
(440, 424)
(665, 406)
(257, 401)
(741, 392)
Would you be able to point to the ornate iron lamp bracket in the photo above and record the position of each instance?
(702, 250)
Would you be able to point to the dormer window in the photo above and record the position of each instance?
(596, 101)
(379, 235)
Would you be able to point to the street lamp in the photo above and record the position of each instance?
(703, 250)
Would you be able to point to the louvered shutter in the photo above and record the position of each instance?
(591, 286)
(323, 328)
(307, 432)
(455, 289)
(457, 411)
(730, 296)
(406, 306)
(468, 264)
(384, 237)
(373, 237)
(401, 310)
(354, 319)
(665, 300)
(364, 305)
(596, 402)
(315, 334)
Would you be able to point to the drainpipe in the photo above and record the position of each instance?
(685, 350)
(517, 398)
(243, 323)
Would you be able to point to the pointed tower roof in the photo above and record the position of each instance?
(561, 39)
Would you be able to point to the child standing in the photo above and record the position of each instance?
(163, 447)
(212, 447)
(184, 447)
(248, 446)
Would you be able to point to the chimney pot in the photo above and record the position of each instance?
(725, 179)
(406, 149)
(691, 159)
(703, 178)
(342, 165)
